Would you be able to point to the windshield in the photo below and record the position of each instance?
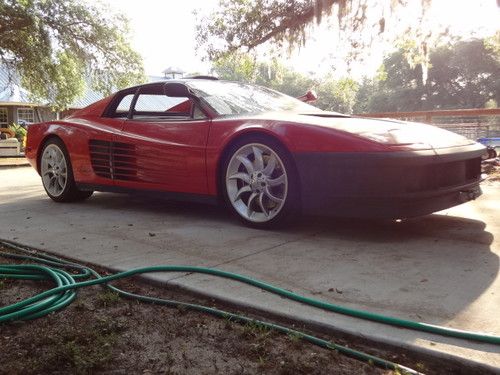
(234, 98)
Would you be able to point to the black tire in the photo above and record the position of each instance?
(69, 193)
(291, 206)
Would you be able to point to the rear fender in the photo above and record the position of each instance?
(75, 137)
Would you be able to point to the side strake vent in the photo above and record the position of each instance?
(113, 160)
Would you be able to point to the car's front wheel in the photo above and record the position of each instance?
(259, 182)
(57, 174)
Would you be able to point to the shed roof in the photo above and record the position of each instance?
(12, 93)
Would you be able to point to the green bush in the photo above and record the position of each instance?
(20, 132)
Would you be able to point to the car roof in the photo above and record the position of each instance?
(176, 80)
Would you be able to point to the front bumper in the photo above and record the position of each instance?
(392, 185)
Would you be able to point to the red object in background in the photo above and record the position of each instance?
(309, 97)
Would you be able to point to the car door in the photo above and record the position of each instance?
(162, 144)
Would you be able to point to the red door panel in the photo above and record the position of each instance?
(168, 155)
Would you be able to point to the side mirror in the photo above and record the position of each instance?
(176, 90)
(309, 96)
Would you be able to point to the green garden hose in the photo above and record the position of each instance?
(64, 294)
(444, 331)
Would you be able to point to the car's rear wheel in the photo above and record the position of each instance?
(259, 182)
(57, 174)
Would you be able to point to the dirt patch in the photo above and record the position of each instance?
(101, 332)
(492, 169)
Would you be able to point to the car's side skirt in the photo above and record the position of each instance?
(169, 195)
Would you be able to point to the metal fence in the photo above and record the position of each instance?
(471, 123)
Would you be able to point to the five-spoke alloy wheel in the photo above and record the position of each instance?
(57, 175)
(258, 182)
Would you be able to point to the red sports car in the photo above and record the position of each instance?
(267, 155)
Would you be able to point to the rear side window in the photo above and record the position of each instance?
(149, 103)
(120, 105)
(124, 105)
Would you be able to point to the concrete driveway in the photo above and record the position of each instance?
(440, 269)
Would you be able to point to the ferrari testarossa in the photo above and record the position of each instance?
(267, 155)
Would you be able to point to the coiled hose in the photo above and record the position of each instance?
(64, 294)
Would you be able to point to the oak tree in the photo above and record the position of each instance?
(242, 25)
(465, 74)
(59, 46)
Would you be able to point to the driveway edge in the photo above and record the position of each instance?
(311, 324)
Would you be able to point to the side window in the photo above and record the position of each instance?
(124, 105)
(120, 105)
(157, 104)
(151, 104)
(198, 113)
(160, 107)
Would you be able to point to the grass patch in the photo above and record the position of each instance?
(108, 298)
(78, 351)
(256, 330)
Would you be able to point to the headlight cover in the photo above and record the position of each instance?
(396, 137)
(415, 136)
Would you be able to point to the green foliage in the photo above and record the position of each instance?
(283, 79)
(236, 67)
(364, 96)
(247, 23)
(465, 76)
(461, 75)
(108, 298)
(83, 352)
(256, 330)
(337, 95)
(245, 68)
(334, 95)
(295, 337)
(241, 25)
(492, 45)
(236, 25)
(20, 132)
(419, 366)
(57, 46)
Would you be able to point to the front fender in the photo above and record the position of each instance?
(296, 137)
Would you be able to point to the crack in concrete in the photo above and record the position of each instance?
(300, 238)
